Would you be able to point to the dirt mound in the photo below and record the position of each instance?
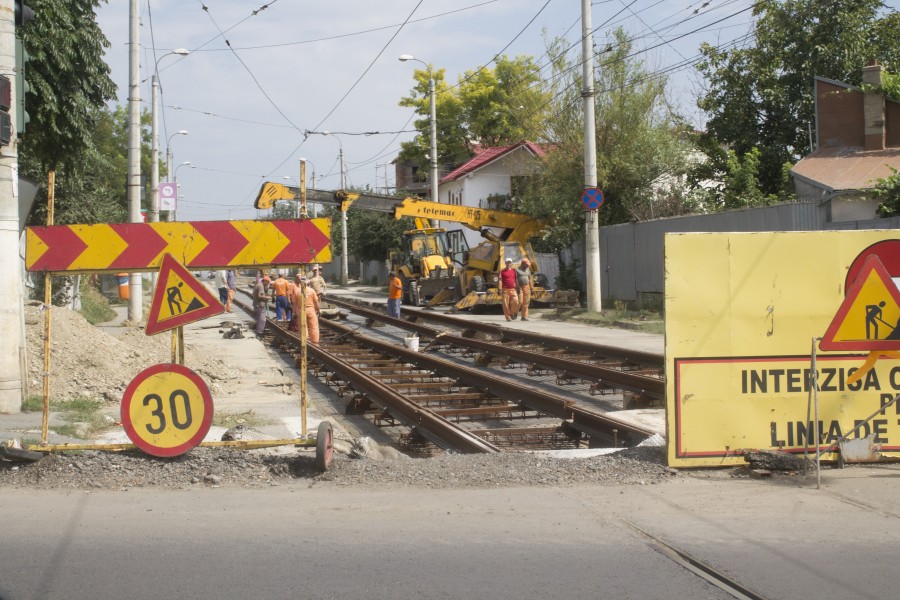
(87, 362)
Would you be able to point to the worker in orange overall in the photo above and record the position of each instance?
(311, 308)
(523, 280)
(509, 291)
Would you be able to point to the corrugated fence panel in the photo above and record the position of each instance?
(633, 260)
(617, 262)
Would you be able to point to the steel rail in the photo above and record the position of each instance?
(542, 401)
(652, 387)
(426, 421)
(595, 425)
(651, 359)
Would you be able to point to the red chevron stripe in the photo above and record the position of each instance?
(306, 241)
(144, 244)
(63, 247)
(225, 242)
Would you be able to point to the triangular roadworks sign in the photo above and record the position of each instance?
(179, 298)
(869, 317)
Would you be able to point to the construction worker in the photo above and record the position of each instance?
(282, 307)
(311, 308)
(260, 303)
(395, 293)
(317, 282)
(509, 291)
(523, 280)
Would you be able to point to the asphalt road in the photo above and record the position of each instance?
(779, 538)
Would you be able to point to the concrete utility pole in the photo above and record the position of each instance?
(345, 268)
(136, 292)
(591, 218)
(12, 320)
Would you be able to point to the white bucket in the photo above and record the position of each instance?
(412, 343)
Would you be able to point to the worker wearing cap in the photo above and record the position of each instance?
(523, 280)
(260, 302)
(509, 291)
(316, 281)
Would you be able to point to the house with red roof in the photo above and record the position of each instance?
(490, 179)
(858, 133)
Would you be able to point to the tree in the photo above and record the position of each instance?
(887, 190)
(70, 129)
(639, 142)
(762, 96)
(92, 188)
(67, 80)
(489, 107)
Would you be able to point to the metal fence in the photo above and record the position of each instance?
(632, 255)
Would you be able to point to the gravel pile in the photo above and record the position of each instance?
(205, 467)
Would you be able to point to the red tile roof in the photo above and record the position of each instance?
(489, 155)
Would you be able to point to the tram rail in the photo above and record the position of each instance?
(440, 400)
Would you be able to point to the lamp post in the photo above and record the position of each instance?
(186, 163)
(154, 120)
(434, 159)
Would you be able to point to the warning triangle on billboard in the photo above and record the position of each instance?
(179, 298)
(869, 317)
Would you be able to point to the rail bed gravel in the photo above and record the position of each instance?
(207, 467)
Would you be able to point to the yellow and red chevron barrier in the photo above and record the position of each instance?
(197, 244)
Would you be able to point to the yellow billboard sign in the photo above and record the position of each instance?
(742, 313)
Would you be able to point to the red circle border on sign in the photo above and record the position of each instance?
(888, 251)
(126, 408)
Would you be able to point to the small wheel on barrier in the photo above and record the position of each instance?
(324, 445)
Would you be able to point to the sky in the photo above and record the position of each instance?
(260, 74)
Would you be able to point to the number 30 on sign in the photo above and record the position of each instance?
(167, 410)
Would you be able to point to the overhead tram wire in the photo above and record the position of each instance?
(357, 33)
(352, 87)
(243, 64)
(680, 66)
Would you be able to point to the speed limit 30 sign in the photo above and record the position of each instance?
(167, 410)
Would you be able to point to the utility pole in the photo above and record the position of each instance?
(591, 217)
(344, 250)
(136, 292)
(12, 319)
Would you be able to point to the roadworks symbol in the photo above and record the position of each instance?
(869, 316)
(179, 298)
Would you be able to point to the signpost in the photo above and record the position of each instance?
(167, 410)
(198, 244)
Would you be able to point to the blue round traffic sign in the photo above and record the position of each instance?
(592, 198)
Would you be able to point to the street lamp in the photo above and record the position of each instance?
(186, 163)
(154, 120)
(169, 149)
(434, 158)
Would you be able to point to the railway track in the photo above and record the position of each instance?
(472, 387)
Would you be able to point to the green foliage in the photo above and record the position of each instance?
(68, 81)
(487, 107)
(373, 235)
(568, 276)
(94, 306)
(887, 190)
(92, 189)
(762, 96)
(640, 142)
